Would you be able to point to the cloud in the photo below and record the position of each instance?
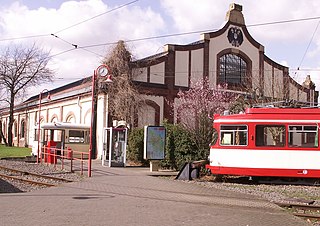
(286, 42)
(127, 23)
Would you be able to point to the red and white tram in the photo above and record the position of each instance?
(268, 142)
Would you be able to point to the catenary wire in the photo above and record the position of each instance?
(101, 14)
(177, 34)
(315, 30)
(154, 37)
(53, 34)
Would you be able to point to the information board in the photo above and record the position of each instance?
(154, 142)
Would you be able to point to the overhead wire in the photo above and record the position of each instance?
(284, 21)
(76, 46)
(101, 14)
(72, 44)
(305, 52)
(162, 36)
(91, 18)
(60, 53)
(24, 37)
(71, 26)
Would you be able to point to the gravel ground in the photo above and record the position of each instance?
(12, 186)
(300, 194)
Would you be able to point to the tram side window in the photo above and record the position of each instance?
(78, 136)
(303, 136)
(233, 135)
(270, 135)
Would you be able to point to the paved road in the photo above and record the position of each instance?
(128, 196)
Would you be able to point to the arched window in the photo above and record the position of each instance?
(148, 114)
(54, 119)
(233, 70)
(22, 128)
(71, 118)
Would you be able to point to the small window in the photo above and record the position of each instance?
(303, 136)
(36, 135)
(15, 129)
(270, 135)
(233, 135)
(22, 129)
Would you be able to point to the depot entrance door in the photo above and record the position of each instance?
(114, 147)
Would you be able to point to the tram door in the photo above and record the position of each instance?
(114, 147)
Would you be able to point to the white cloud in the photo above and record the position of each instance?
(127, 23)
(285, 43)
(195, 15)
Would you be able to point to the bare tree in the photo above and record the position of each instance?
(123, 94)
(21, 68)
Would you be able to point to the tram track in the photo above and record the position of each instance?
(303, 210)
(30, 178)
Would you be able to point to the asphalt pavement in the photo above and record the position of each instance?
(135, 196)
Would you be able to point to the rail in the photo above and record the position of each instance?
(303, 210)
(65, 158)
(29, 177)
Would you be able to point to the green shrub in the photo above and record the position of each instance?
(135, 146)
(179, 147)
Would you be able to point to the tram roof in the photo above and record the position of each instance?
(272, 114)
(64, 125)
(282, 111)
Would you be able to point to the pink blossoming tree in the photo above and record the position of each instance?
(195, 107)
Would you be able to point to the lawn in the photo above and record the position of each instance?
(14, 152)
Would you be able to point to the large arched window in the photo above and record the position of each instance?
(233, 70)
(148, 114)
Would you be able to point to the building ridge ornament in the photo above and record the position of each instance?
(308, 83)
(234, 15)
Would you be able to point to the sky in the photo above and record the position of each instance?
(287, 29)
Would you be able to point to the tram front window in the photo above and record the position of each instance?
(270, 135)
(233, 135)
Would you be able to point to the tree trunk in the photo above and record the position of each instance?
(11, 119)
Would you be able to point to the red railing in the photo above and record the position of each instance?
(64, 157)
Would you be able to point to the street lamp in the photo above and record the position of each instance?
(40, 98)
(101, 72)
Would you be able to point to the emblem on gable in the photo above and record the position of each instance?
(235, 36)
